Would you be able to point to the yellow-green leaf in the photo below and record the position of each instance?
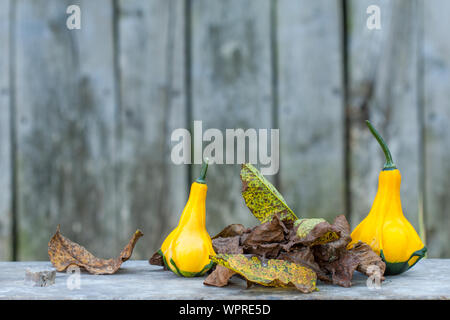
(272, 272)
(261, 197)
(315, 231)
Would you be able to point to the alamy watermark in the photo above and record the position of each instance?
(236, 147)
(374, 279)
(374, 20)
(73, 282)
(74, 20)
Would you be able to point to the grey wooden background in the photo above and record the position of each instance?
(86, 115)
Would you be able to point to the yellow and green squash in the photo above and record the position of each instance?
(385, 228)
(186, 250)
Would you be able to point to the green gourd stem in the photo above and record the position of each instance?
(202, 177)
(389, 165)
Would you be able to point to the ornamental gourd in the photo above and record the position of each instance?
(187, 248)
(385, 228)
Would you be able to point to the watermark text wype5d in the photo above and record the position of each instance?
(229, 146)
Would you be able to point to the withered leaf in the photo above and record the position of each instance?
(231, 231)
(261, 197)
(219, 277)
(64, 253)
(311, 232)
(227, 245)
(272, 272)
(334, 259)
(157, 260)
(270, 231)
(341, 269)
(369, 261)
(264, 250)
(266, 239)
(341, 224)
(304, 256)
(330, 251)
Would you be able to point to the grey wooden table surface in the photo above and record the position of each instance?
(429, 279)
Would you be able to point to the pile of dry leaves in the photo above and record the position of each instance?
(316, 248)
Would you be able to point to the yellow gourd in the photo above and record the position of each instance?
(385, 229)
(187, 248)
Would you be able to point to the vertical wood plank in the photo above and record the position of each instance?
(383, 86)
(231, 88)
(436, 53)
(5, 138)
(66, 124)
(311, 107)
(152, 190)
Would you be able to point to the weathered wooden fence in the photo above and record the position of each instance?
(86, 115)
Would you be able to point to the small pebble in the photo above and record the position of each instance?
(40, 277)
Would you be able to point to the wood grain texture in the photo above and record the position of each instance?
(137, 280)
(311, 107)
(231, 88)
(5, 137)
(383, 86)
(65, 127)
(152, 190)
(436, 51)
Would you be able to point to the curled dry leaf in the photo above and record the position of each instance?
(219, 277)
(64, 253)
(334, 259)
(231, 231)
(340, 271)
(265, 250)
(265, 240)
(369, 261)
(331, 251)
(271, 231)
(158, 260)
(261, 197)
(272, 272)
(311, 232)
(227, 245)
(341, 224)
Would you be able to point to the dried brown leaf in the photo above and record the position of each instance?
(368, 259)
(231, 231)
(341, 224)
(304, 256)
(219, 277)
(227, 245)
(268, 232)
(157, 260)
(334, 259)
(64, 253)
(265, 240)
(264, 250)
(341, 269)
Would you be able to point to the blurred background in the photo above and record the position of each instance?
(86, 115)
